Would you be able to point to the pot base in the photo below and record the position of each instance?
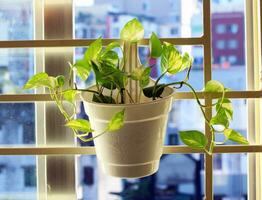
(131, 171)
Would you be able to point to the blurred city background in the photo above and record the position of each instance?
(180, 177)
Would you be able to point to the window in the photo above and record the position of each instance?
(232, 59)
(220, 28)
(190, 180)
(232, 44)
(234, 28)
(221, 44)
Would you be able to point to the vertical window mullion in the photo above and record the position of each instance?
(208, 101)
(58, 24)
(39, 107)
(253, 63)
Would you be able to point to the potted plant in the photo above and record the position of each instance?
(128, 111)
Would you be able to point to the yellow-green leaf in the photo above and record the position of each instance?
(38, 80)
(93, 50)
(214, 86)
(80, 125)
(133, 31)
(116, 122)
(155, 46)
(235, 136)
(69, 95)
(194, 139)
(83, 69)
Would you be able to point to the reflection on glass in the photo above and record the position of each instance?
(172, 181)
(228, 34)
(229, 67)
(17, 177)
(17, 124)
(106, 18)
(230, 176)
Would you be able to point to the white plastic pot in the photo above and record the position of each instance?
(135, 150)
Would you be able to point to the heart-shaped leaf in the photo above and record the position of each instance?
(83, 69)
(80, 125)
(116, 122)
(133, 31)
(142, 75)
(214, 86)
(171, 59)
(60, 80)
(69, 95)
(155, 46)
(38, 80)
(93, 50)
(235, 136)
(220, 119)
(194, 139)
(226, 107)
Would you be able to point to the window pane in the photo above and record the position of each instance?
(228, 40)
(230, 176)
(16, 20)
(180, 120)
(17, 124)
(168, 18)
(16, 67)
(18, 177)
(168, 183)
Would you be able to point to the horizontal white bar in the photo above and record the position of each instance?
(91, 150)
(86, 42)
(177, 95)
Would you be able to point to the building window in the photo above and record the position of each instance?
(232, 44)
(233, 28)
(232, 59)
(221, 29)
(88, 175)
(220, 44)
(29, 176)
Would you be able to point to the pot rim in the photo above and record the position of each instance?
(129, 104)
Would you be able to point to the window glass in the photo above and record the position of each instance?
(230, 180)
(16, 20)
(17, 124)
(106, 18)
(220, 44)
(232, 44)
(18, 177)
(168, 183)
(220, 28)
(234, 28)
(30, 176)
(228, 49)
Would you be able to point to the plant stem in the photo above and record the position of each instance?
(130, 97)
(159, 78)
(122, 96)
(87, 90)
(59, 104)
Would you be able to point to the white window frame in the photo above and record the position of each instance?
(253, 94)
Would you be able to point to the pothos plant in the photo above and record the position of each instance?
(108, 65)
